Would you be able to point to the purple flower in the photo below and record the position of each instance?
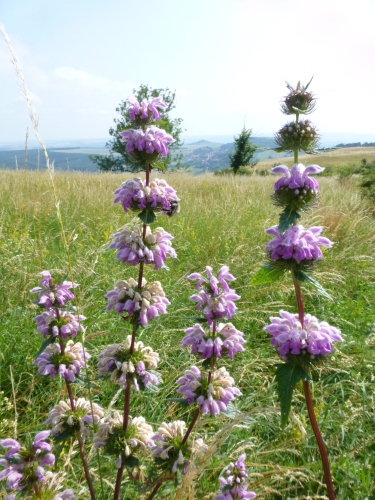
(235, 476)
(297, 178)
(146, 109)
(117, 360)
(167, 446)
(152, 140)
(52, 294)
(145, 304)
(137, 434)
(65, 495)
(23, 467)
(212, 397)
(226, 337)
(55, 322)
(158, 196)
(153, 248)
(68, 365)
(290, 337)
(63, 418)
(297, 243)
(214, 297)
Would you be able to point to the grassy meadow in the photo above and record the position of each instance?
(336, 158)
(222, 221)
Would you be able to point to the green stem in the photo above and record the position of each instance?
(296, 150)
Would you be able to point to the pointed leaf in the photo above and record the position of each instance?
(160, 122)
(231, 411)
(159, 165)
(49, 340)
(130, 462)
(301, 276)
(147, 216)
(287, 376)
(287, 218)
(266, 274)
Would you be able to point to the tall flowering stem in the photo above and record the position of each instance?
(301, 339)
(63, 357)
(131, 363)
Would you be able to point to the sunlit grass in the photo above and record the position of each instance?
(222, 221)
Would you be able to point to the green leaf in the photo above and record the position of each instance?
(266, 274)
(181, 401)
(60, 441)
(159, 123)
(231, 411)
(287, 376)
(130, 462)
(129, 127)
(287, 218)
(49, 340)
(159, 165)
(301, 276)
(206, 363)
(147, 216)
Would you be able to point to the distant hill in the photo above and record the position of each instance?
(201, 156)
(355, 145)
(64, 159)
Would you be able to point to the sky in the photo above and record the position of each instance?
(228, 61)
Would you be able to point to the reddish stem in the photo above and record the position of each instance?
(297, 288)
(154, 491)
(118, 483)
(126, 405)
(36, 490)
(85, 466)
(125, 421)
(187, 434)
(319, 440)
(310, 406)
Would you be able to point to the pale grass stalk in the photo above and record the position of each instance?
(50, 167)
(14, 402)
(25, 153)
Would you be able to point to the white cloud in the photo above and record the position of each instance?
(89, 81)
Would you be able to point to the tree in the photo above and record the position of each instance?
(118, 160)
(244, 151)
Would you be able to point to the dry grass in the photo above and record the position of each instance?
(339, 157)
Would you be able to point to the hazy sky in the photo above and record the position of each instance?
(227, 59)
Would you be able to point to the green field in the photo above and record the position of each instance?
(222, 221)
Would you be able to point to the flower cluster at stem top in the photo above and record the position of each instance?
(51, 294)
(148, 108)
